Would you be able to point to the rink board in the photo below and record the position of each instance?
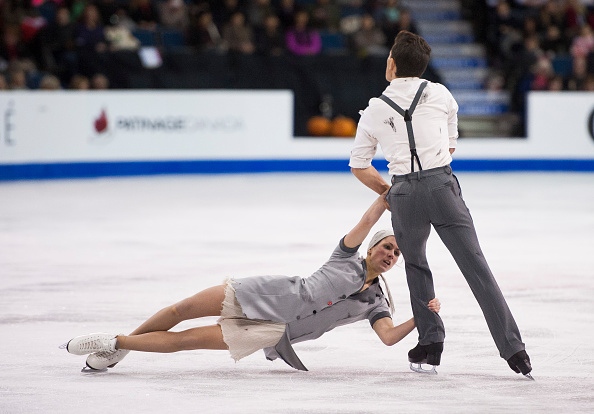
(111, 133)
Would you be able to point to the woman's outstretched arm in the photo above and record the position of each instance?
(390, 334)
(357, 235)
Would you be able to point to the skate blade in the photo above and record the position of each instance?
(529, 376)
(88, 370)
(64, 346)
(419, 368)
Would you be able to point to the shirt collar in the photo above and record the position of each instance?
(403, 80)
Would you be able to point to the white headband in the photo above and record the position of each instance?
(379, 236)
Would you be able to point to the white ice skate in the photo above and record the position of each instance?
(88, 344)
(102, 360)
(418, 367)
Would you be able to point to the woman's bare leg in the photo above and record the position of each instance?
(208, 302)
(204, 337)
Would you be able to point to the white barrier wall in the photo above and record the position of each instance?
(40, 127)
(559, 127)
(75, 126)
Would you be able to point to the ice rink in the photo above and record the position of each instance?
(81, 256)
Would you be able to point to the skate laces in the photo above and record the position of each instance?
(105, 354)
(93, 344)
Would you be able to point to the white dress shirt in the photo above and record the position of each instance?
(434, 121)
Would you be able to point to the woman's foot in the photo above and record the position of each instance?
(95, 342)
(102, 360)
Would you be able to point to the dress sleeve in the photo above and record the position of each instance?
(382, 310)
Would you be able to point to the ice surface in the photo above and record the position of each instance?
(84, 256)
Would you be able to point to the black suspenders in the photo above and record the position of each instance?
(407, 114)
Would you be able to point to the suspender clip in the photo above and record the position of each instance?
(407, 116)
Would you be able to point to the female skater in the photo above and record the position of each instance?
(273, 312)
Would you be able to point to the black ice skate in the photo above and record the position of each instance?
(520, 362)
(425, 354)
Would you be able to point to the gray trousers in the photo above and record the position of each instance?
(433, 197)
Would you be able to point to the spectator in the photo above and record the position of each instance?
(50, 83)
(589, 83)
(551, 14)
(388, 13)
(17, 77)
(122, 19)
(77, 8)
(575, 16)
(405, 22)
(369, 40)
(30, 28)
(542, 73)
(238, 36)
(144, 14)
(270, 39)
(556, 83)
(530, 26)
(286, 13)
(3, 83)
(12, 12)
(301, 39)
(58, 45)
(257, 12)
(388, 17)
(12, 48)
(119, 35)
(495, 81)
(553, 41)
(325, 15)
(173, 15)
(579, 73)
(99, 82)
(88, 35)
(221, 13)
(519, 77)
(203, 33)
(583, 44)
(79, 82)
(90, 41)
(107, 9)
(504, 35)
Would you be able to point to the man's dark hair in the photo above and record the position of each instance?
(411, 54)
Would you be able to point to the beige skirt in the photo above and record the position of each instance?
(245, 336)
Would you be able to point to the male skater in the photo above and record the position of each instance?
(424, 192)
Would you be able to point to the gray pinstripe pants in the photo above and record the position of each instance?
(433, 197)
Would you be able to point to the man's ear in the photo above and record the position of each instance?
(391, 67)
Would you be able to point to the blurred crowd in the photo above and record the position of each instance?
(52, 44)
(540, 44)
(536, 45)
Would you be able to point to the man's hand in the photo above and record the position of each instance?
(384, 195)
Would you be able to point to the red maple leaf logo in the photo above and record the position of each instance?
(101, 122)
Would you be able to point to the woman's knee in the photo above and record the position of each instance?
(182, 310)
(209, 302)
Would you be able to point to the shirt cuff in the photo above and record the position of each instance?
(360, 163)
(379, 316)
(346, 249)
